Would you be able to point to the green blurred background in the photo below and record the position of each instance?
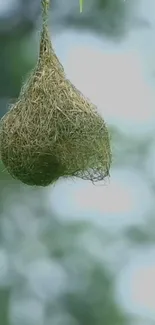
(75, 253)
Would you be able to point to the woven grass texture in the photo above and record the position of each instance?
(52, 130)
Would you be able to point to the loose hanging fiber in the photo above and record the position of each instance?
(52, 130)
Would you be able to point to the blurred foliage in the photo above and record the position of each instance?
(109, 17)
(12, 70)
(87, 306)
(130, 150)
(89, 298)
(4, 301)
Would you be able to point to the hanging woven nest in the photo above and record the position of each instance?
(52, 130)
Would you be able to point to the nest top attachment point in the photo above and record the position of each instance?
(53, 131)
(45, 7)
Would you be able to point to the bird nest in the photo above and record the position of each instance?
(52, 130)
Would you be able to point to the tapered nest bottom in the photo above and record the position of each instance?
(39, 155)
